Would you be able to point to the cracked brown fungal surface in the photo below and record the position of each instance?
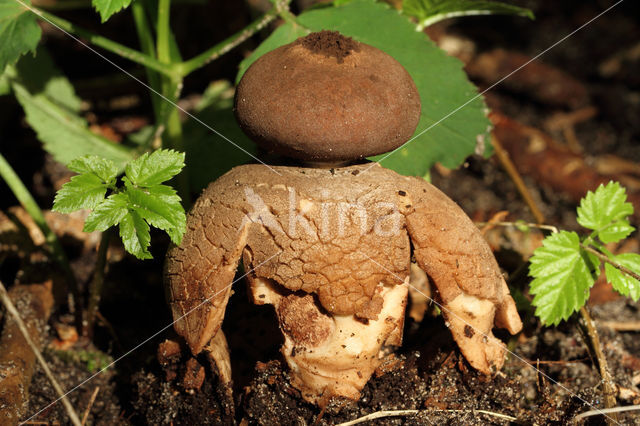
(292, 232)
(326, 97)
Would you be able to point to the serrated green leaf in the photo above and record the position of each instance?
(108, 213)
(84, 191)
(621, 282)
(441, 82)
(562, 277)
(19, 31)
(160, 207)
(134, 232)
(103, 168)
(615, 231)
(64, 134)
(600, 208)
(106, 8)
(428, 12)
(155, 168)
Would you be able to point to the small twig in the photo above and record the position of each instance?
(396, 413)
(605, 411)
(621, 325)
(513, 173)
(91, 401)
(516, 224)
(611, 262)
(11, 309)
(609, 387)
(511, 170)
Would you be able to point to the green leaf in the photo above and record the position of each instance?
(428, 12)
(562, 277)
(64, 134)
(106, 8)
(84, 191)
(19, 31)
(5, 87)
(209, 156)
(134, 232)
(155, 168)
(453, 121)
(108, 213)
(160, 207)
(103, 168)
(607, 204)
(39, 74)
(621, 282)
(615, 231)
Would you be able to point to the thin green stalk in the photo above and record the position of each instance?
(171, 87)
(163, 28)
(214, 52)
(95, 288)
(30, 205)
(147, 44)
(117, 48)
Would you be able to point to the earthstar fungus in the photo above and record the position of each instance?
(330, 248)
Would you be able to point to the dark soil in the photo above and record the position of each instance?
(428, 372)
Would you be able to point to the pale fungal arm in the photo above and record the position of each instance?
(471, 290)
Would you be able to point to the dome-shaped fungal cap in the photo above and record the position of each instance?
(326, 97)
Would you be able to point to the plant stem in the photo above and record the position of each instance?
(608, 385)
(163, 29)
(171, 87)
(30, 205)
(511, 170)
(145, 36)
(95, 288)
(605, 259)
(110, 45)
(228, 44)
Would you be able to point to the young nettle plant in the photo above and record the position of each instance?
(566, 266)
(139, 202)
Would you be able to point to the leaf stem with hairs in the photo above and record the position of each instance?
(610, 262)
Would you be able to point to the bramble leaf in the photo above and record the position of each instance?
(615, 231)
(155, 168)
(452, 123)
(428, 12)
(103, 168)
(134, 232)
(160, 206)
(108, 213)
(84, 191)
(19, 31)
(606, 205)
(562, 277)
(106, 8)
(621, 282)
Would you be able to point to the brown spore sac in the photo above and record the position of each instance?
(330, 44)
